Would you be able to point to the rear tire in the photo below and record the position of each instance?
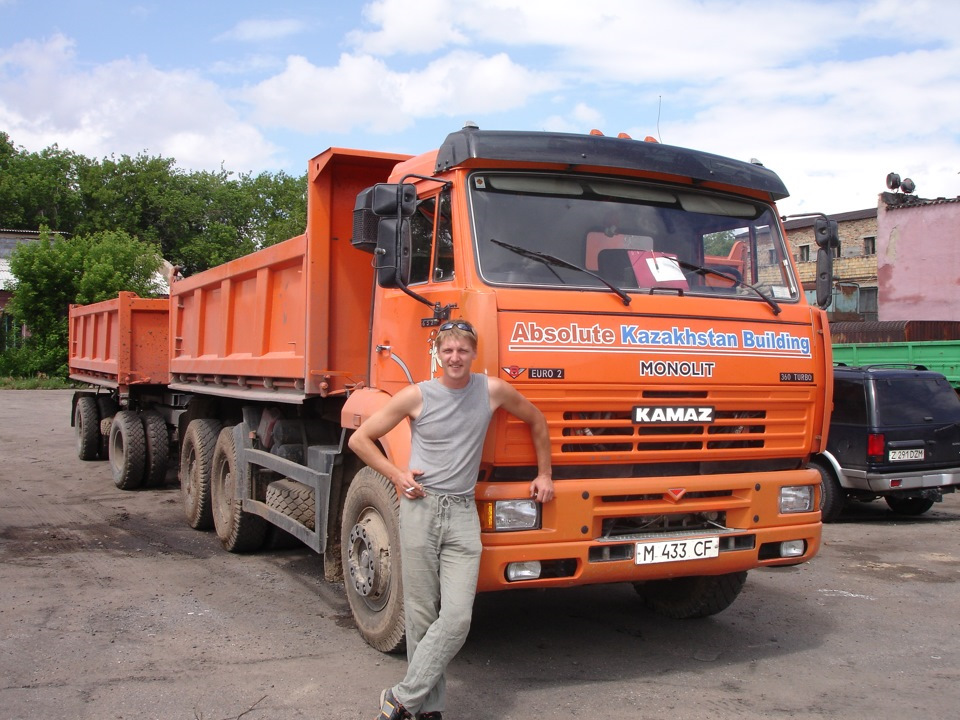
(196, 461)
(128, 450)
(832, 496)
(106, 409)
(293, 499)
(237, 530)
(908, 506)
(692, 597)
(158, 449)
(86, 424)
(370, 552)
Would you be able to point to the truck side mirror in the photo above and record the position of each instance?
(392, 255)
(380, 201)
(825, 233)
(824, 277)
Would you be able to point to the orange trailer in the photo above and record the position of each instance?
(642, 296)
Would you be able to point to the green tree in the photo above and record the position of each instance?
(54, 272)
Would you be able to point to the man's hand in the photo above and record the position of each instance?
(541, 489)
(407, 486)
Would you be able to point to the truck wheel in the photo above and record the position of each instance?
(692, 597)
(832, 496)
(908, 506)
(294, 500)
(196, 460)
(158, 449)
(370, 551)
(128, 450)
(238, 531)
(86, 425)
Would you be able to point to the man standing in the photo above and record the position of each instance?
(439, 526)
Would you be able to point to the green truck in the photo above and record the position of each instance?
(932, 344)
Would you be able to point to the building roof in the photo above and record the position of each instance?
(896, 201)
(805, 222)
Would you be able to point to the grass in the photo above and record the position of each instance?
(36, 383)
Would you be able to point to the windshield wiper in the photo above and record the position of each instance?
(700, 270)
(549, 260)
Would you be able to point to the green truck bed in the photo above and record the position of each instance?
(943, 356)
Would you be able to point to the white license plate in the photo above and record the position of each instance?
(649, 553)
(901, 455)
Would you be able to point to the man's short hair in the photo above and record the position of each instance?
(459, 328)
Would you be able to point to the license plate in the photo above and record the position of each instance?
(649, 553)
(901, 455)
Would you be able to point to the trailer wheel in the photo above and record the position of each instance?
(909, 505)
(238, 531)
(832, 496)
(128, 450)
(692, 597)
(196, 460)
(158, 449)
(86, 425)
(370, 551)
(294, 500)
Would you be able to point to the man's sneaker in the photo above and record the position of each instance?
(435, 715)
(390, 707)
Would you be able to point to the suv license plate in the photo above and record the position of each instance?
(677, 550)
(901, 455)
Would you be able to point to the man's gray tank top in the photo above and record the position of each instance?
(448, 435)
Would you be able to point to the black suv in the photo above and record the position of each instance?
(895, 434)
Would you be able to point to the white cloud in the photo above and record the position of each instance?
(260, 30)
(404, 29)
(122, 107)
(363, 92)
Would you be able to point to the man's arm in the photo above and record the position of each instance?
(405, 404)
(503, 394)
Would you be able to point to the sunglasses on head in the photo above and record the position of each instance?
(465, 326)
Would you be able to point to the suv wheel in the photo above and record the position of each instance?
(909, 506)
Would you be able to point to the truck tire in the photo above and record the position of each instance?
(158, 449)
(692, 597)
(370, 552)
(128, 450)
(908, 506)
(196, 461)
(237, 530)
(294, 500)
(86, 425)
(832, 496)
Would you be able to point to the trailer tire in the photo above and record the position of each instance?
(832, 496)
(238, 531)
(86, 424)
(196, 460)
(370, 552)
(909, 505)
(158, 449)
(294, 500)
(692, 597)
(128, 450)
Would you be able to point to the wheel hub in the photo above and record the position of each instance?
(369, 560)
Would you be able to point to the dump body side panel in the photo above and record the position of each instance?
(291, 320)
(120, 342)
(943, 356)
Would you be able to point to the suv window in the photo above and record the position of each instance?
(915, 400)
(849, 401)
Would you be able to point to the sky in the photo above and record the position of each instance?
(832, 96)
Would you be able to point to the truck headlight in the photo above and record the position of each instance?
(507, 515)
(796, 499)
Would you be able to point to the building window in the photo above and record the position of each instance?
(836, 250)
(804, 253)
(867, 305)
(772, 256)
(870, 245)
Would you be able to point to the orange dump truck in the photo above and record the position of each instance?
(641, 295)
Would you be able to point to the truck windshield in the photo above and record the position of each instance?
(638, 237)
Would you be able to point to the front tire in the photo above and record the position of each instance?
(237, 530)
(128, 450)
(86, 424)
(908, 506)
(832, 496)
(370, 552)
(196, 461)
(692, 597)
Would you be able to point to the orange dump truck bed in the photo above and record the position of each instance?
(291, 320)
(121, 342)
